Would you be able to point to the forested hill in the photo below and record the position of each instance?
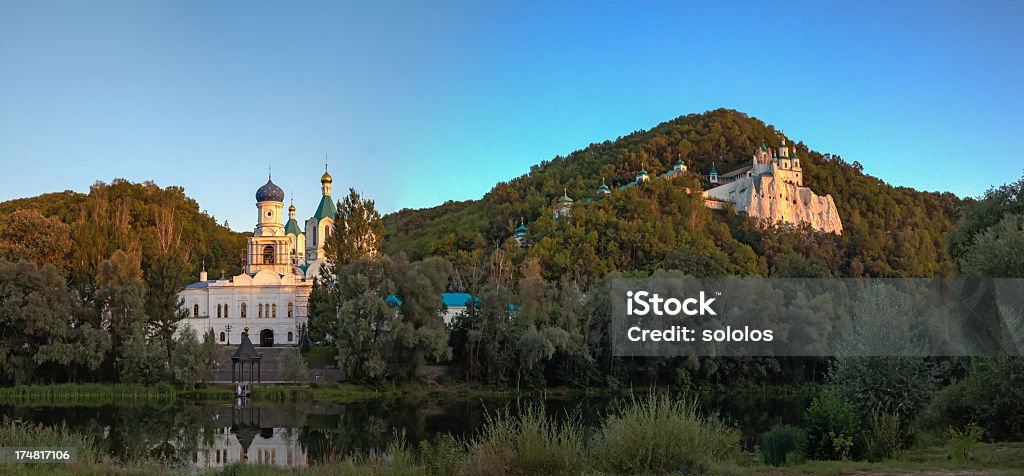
(888, 230)
(162, 226)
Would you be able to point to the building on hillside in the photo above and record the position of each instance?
(772, 189)
(563, 206)
(520, 234)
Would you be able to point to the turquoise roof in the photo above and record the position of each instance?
(292, 228)
(522, 228)
(327, 209)
(393, 300)
(714, 170)
(457, 299)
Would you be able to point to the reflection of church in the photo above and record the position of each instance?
(268, 300)
(247, 441)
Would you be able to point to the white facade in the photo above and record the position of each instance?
(268, 301)
(281, 449)
(772, 189)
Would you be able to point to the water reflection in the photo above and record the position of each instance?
(298, 435)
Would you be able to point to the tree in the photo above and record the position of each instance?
(381, 334)
(356, 234)
(188, 359)
(322, 310)
(34, 314)
(27, 234)
(120, 299)
(293, 368)
(998, 251)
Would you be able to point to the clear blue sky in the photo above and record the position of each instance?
(420, 102)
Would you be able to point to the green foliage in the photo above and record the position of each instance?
(992, 395)
(532, 443)
(27, 234)
(356, 234)
(831, 426)
(883, 435)
(998, 251)
(888, 231)
(188, 359)
(662, 435)
(781, 444)
(964, 441)
(322, 355)
(18, 434)
(376, 340)
(293, 368)
(980, 215)
(901, 386)
(443, 456)
(42, 332)
(137, 218)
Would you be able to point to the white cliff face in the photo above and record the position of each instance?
(774, 200)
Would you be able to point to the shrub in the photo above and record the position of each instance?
(991, 395)
(962, 442)
(443, 456)
(660, 435)
(883, 435)
(899, 385)
(781, 444)
(831, 426)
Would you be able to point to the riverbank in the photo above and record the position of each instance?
(652, 435)
(93, 393)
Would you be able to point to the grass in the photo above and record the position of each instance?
(95, 393)
(989, 459)
(89, 459)
(659, 434)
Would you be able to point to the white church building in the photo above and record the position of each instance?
(268, 300)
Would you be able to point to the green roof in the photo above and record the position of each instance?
(326, 208)
(292, 227)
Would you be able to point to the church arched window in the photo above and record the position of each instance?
(244, 308)
(273, 310)
(291, 310)
(289, 336)
(268, 254)
(226, 310)
(218, 311)
(260, 315)
(195, 310)
(222, 337)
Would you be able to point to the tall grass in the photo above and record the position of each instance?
(660, 434)
(15, 433)
(531, 443)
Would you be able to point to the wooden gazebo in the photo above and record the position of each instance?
(245, 355)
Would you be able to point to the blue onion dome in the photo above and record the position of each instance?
(269, 193)
(679, 162)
